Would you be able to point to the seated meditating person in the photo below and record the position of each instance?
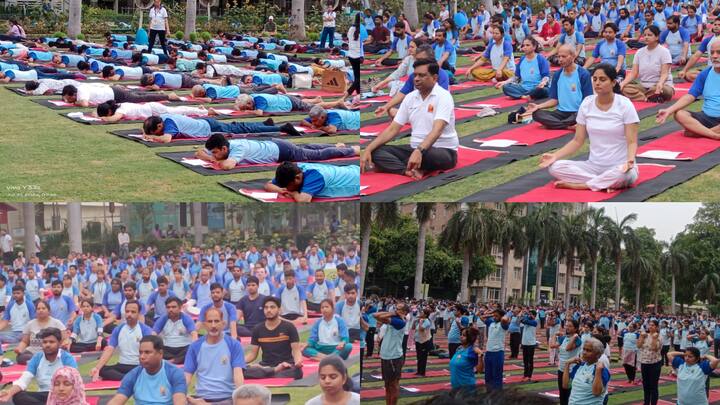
(332, 121)
(568, 88)
(499, 53)
(126, 338)
(611, 123)
(87, 330)
(281, 103)
(30, 344)
(154, 380)
(48, 86)
(609, 50)
(704, 48)
(112, 111)
(318, 290)
(228, 153)
(129, 294)
(329, 335)
(532, 74)
(156, 300)
(62, 307)
(570, 36)
(292, 298)
(349, 308)
(303, 181)
(167, 80)
(650, 77)
(177, 330)
(250, 307)
(445, 51)
(677, 41)
(706, 122)
(550, 32)
(40, 368)
(217, 293)
(404, 69)
(166, 127)
(429, 110)
(280, 344)
(114, 74)
(216, 360)
(626, 24)
(86, 95)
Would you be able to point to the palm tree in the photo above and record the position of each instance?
(75, 226)
(28, 210)
(708, 287)
(673, 262)
(385, 214)
(543, 232)
(410, 9)
(296, 22)
(572, 247)
(190, 17)
(615, 233)
(509, 235)
(639, 267)
(423, 212)
(593, 237)
(74, 18)
(468, 232)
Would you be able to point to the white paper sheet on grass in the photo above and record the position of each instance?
(196, 162)
(82, 116)
(497, 143)
(261, 195)
(660, 154)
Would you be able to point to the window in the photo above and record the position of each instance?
(495, 276)
(493, 294)
(517, 273)
(561, 281)
(575, 283)
(516, 293)
(496, 250)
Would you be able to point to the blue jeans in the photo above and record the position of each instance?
(329, 34)
(310, 151)
(240, 127)
(494, 362)
(516, 91)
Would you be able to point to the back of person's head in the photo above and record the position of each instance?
(31, 85)
(216, 141)
(151, 124)
(426, 51)
(83, 65)
(285, 173)
(337, 363)
(156, 341)
(146, 79)
(253, 391)
(69, 90)
(106, 52)
(107, 71)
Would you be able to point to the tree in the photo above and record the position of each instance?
(385, 214)
(190, 17)
(673, 262)
(643, 253)
(592, 238)
(75, 226)
(197, 223)
(296, 22)
(410, 9)
(572, 229)
(28, 210)
(468, 231)
(615, 233)
(543, 230)
(509, 235)
(423, 213)
(74, 26)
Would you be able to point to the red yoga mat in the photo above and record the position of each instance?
(376, 129)
(689, 148)
(249, 192)
(469, 85)
(315, 93)
(549, 193)
(526, 135)
(379, 182)
(497, 102)
(102, 385)
(405, 389)
(14, 369)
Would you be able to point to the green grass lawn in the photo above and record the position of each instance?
(45, 157)
(700, 188)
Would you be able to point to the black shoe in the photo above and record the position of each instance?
(269, 121)
(289, 129)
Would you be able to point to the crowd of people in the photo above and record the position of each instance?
(566, 87)
(581, 342)
(220, 316)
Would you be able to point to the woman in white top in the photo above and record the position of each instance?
(111, 111)
(651, 68)
(29, 345)
(328, 31)
(15, 31)
(355, 55)
(610, 121)
(158, 26)
(335, 383)
(405, 69)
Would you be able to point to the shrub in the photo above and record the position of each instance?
(205, 36)
(59, 34)
(193, 36)
(81, 36)
(179, 35)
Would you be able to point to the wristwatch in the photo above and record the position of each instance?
(421, 149)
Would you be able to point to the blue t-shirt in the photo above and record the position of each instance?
(691, 23)
(43, 370)
(462, 368)
(61, 308)
(217, 92)
(176, 124)
(571, 90)
(705, 46)
(707, 85)
(531, 72)
(228, 311)
(582, 376)
(253, 151)
(443, 81)
(153, 389)
(324, 180)
(623, 23)
(446, 47)
(214, 365)
(610, 52)
(691, 381)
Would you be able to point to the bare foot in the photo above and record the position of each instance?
(415, 174)
(356, 148)
(172, 96)
(691, 134)
(339, 145)
(572, 186)
(212, 112)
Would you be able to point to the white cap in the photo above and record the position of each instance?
(271, 18)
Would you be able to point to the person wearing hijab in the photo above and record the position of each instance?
(67, 388)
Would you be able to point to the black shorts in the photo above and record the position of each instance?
(391, 369)
(706, 120)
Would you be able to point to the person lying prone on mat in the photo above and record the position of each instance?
(86, 95)
(166, 80)
(110, 73)
(422, 52)
(303, 181)
(209, 92)
(611, 123)
(48, 86)
(429, 110)
(568, 88)
(332, 121)
(704, 123)
(111, 111)
(281, 103)
(214, 70)
(165, 127)
(227, 154)
(40, 72)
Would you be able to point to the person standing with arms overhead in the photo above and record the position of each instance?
(159, 25)
(497, 324)
(328, 31)
(391, 355)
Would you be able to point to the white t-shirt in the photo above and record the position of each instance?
(123, 237)
(141, 111)
(6, 243)
(157, 18)
(95, 93)
(651, 64)
(354, 400)
(439, 105)
(354, 47)
(606, 129)
(52, 84)
(329, 23)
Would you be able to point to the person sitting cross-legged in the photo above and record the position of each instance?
(177, 330)
(329, 335)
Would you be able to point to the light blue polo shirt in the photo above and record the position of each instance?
(253, 151)
(609, 52)
(127, 341)
(175, 333)
(228, 311)
(570, 90)
(213, 366)
(159, 302)
(87, 330)
(582, 376)
(691, 381)
(153, 389)
(61, 308)
(446, 47)
(176, 124)
(707, 85)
